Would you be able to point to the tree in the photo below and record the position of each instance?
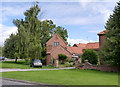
(90, 55)
(62, 57)
(62, 32)
(0, 51)
(110, 53)
(9, 48)
(29, 32)
(31, 37)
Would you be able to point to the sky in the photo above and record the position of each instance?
(83, 19)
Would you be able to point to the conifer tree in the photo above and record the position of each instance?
(110, 53)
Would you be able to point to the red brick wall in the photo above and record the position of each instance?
(60, 50)
(101, 40)
(57, 50)
(48, 59)
(48, 48)
(56, 38)
(96, 67)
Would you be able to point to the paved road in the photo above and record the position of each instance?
(7, 82)
(8, 70)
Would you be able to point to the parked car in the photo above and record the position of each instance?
(2, 58)
(36, 63)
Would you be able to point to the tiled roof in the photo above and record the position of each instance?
(56, 34)
(79, 50)
(92, 45)
(55, 47)
(80, 45)
(75, 49)
(70, 49)
(103, 32)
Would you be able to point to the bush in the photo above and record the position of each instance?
(43, 61)
(90, 55)
(27, 61)
(67, 64)
(62, 57)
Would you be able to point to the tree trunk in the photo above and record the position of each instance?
(16, 60)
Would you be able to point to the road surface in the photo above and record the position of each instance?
(8, 70)
(7, 82)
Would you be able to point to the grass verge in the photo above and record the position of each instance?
(66, 77)
(20, 65)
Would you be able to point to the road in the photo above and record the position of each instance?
(8, 70)
(7, 82)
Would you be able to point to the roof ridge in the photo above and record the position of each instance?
(66, 49)
(72, 50)
(61, 38)
(92, 42)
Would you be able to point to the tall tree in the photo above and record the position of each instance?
(62, 32)
(111, 50)
(29, 32)
(32, 36)
(10, 47)
(0, 51)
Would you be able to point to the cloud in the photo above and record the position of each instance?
(95, 31)
(58, 0)
(91, 41)
(102, 11)
(79, 20)
(74, 41)
(9, 11)
(78, 14)
(77, 41)
(5, 32)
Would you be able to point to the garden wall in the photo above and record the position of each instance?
(87, 65)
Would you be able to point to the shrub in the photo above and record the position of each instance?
(43, 61)
(67, 64)
(90, 55)
(27, 61)
(62, 57)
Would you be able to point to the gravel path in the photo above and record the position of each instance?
(9, 70)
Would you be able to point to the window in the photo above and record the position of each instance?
(56, 43)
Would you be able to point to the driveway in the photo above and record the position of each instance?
(8, 70)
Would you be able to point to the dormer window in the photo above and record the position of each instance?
(56, 43)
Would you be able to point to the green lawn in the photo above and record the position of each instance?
(22, 65)
(66, 77)
(19, 65)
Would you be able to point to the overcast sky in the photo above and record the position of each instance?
(83, 19)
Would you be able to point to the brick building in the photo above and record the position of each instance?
(102, 38)
(56, 45)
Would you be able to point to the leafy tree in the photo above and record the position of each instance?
(90, 55)
(9, 48)
(62, 57)
(0, 51)
(62, 32)
(31, 37)
(110, 53)
(29, 33)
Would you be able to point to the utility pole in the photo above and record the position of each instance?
(87, 39)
